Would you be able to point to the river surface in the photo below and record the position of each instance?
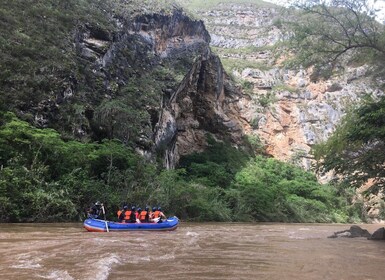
(193, 251)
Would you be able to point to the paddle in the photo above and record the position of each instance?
(105, 220)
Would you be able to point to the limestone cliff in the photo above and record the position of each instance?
(289, 110)
(205, 102)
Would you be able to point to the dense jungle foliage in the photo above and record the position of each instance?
(44, 178)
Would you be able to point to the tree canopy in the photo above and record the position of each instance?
(328, 32)
(356, 149)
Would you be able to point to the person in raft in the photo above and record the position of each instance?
(144, 216)
(95, 211)
(131, 216)
(121, 213)
(126, 215)
(157, 215)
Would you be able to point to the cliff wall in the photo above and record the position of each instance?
(290, 110)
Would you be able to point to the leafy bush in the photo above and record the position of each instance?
(269, 190)
(216, 166)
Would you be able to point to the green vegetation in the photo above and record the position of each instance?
(283, 87)
(241, 51)
(44, 178)
(356, 148)
(42, 69)
(238, 64)
(266, 99)
(326, 33)
(269, 190)
(27, 28)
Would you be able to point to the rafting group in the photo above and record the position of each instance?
(137, 215)
(129, 219)
(129, 215)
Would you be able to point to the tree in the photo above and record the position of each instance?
(356, 150)
(328, 32)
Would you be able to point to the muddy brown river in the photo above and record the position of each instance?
(193, 251)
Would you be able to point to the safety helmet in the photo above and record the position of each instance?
(133, 208)
(159, 209)
(147, 208)
(98, 203)
(153, 208)
(139, 209)
(125, 207)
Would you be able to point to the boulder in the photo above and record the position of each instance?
(379, 234)
(354, 231)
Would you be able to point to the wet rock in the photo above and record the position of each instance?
(379, 234)
(354, 231)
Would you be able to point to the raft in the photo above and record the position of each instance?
(97, 225)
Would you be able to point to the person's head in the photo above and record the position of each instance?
(153, 208)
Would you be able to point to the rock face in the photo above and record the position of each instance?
(203, 101)
(289, 110)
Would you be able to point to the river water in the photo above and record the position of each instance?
(193, 251)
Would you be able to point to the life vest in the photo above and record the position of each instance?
(156, 214)
(127, 215)
(120, 215)
(143, 216)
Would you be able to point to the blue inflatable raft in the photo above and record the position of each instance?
(102, 225)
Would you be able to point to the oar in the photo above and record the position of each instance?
(105, 220)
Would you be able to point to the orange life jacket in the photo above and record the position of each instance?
(142, 216)
(156, 214)
(127, 214)
(119, 212)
